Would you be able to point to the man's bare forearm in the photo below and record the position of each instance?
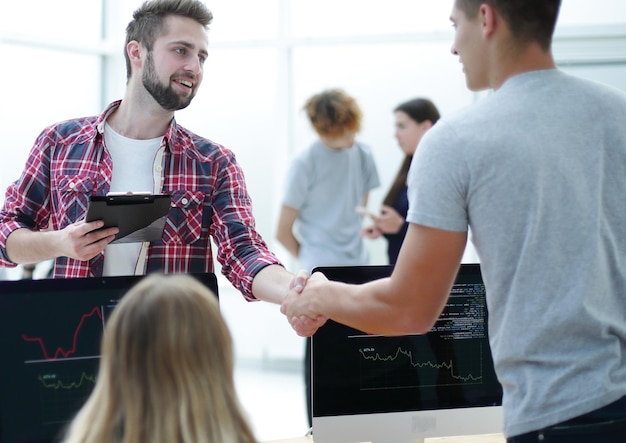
(273, 283)
(26, 246)
(80, 241)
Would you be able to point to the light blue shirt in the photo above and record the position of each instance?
(326, 186)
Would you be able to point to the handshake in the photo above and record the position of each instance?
(379, 306)
(303, 305)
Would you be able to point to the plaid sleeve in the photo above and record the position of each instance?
(241, 250)
(26, 201)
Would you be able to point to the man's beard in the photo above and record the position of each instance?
(163, 94)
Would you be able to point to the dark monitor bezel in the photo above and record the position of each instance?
(20, 298)
(330, 335)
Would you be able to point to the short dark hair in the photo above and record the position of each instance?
(419, 109)
(148, 21)
(529, 20)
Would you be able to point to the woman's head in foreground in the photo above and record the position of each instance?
(166, 370)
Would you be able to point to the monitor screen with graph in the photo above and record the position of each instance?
(406, 388)
(50, 333)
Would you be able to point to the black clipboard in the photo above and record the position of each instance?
(139, 217)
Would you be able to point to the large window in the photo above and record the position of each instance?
(63, 59)
(61, 21)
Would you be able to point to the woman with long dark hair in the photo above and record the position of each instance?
(413, 118)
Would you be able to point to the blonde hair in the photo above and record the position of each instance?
(333, 113)
(166, 371)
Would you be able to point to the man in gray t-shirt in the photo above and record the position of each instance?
(536, 169)
(549, 231)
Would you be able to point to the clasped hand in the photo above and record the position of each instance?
(299, 306)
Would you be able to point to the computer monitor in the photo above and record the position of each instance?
(405, 388)
(50, 333)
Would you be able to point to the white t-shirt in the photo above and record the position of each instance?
(133, 170)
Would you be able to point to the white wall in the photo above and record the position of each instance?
(266, 57)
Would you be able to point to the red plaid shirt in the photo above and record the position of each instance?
(69, 162)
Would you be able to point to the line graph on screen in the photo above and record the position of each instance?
(61, 392)
(52, 381)
(59, 344)
(424, 367)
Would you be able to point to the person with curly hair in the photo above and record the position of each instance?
(319, 223)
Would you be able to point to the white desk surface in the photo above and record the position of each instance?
(486, 438)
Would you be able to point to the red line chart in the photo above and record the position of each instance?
(60, 352)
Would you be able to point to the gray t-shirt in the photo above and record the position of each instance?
(538, 170)
(326, 186)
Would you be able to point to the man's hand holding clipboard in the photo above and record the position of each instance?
(140, 217)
